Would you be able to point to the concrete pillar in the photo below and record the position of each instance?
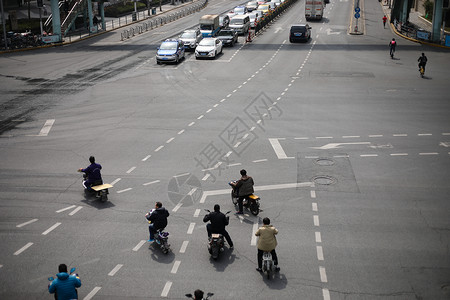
(101, 7)
(437, 21)
(56, 20)
(90, 15)
(404, 14)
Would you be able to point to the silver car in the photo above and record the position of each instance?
(191, 38)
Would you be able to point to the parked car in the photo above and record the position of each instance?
(240, 23)
(170, 51)
(224, 21)
(254, 18)
(272, 5)
(251, 6)
(299, 32)
(229, 37)
(191, 38)
(259, 12)
(240, 10)
(208, 47)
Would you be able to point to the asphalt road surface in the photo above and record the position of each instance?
(349, 150)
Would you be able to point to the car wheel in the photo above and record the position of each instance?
(158, 62)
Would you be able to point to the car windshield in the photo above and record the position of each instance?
(252, 3)
(168, 46)
(239, 10)
(236, 22)
(224, 33)
(188, 35)
(207, 42)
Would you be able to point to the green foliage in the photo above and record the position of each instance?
(428, 5)
(122, 8)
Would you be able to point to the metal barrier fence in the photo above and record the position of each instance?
(160, 21)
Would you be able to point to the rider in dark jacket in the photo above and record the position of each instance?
(94, 177)
(217, 224)
(157, 218)
(244, 188)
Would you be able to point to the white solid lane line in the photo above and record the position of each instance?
(114, 271)
(51, 228)
(23, 248)
(26, 223)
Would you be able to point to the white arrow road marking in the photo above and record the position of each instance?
(278, 149)
(444, 144)
(329, 32)
(337, 145)
(278, 29)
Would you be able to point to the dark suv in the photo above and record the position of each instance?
(229, 37)
(299, 32)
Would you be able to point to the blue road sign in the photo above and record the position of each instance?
(357, 15)
(357, 9)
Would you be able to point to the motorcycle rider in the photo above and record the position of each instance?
(92, 172)
(157, 218)
(64, 286)
(244, 188)
(267, 242)
(217, 224)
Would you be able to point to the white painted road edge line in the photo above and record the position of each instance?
(26, 223)
(51, 228)
(114, 271)
(92, 293)
(23, 248)
(166, 289)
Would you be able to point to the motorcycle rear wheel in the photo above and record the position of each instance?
(234, 198)
(254, 208)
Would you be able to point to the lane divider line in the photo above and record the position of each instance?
(92, 293)
(23, 248)
(114, 271)
(26, 223)
(51, 228)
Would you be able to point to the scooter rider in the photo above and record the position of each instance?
(94, 177)
(64, 286)
(217, 224)
(267, 242)
(422, 61)
(244, 188)
(157, 218)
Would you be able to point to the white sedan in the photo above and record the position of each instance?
(208, 47)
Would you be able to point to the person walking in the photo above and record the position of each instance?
(384, 21)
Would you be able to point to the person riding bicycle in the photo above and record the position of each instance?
(92, 173)
(422, 61)
(267, 242)
(217, 224)
(392, 45)
(157, 218)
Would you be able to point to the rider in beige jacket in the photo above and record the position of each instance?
(267, 242)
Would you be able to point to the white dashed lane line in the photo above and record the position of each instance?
(115, 270)
(26, 223)
(51, 228)
(28, 245)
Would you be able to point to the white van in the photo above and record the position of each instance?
(240, 23)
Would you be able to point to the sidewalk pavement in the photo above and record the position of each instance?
(415, 18)
(111, 23)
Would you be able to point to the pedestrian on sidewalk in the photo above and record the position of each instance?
(384, 21)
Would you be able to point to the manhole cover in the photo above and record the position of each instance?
(324, 180)
(324, 162)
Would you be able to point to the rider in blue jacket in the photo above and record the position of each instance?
(64, 286)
